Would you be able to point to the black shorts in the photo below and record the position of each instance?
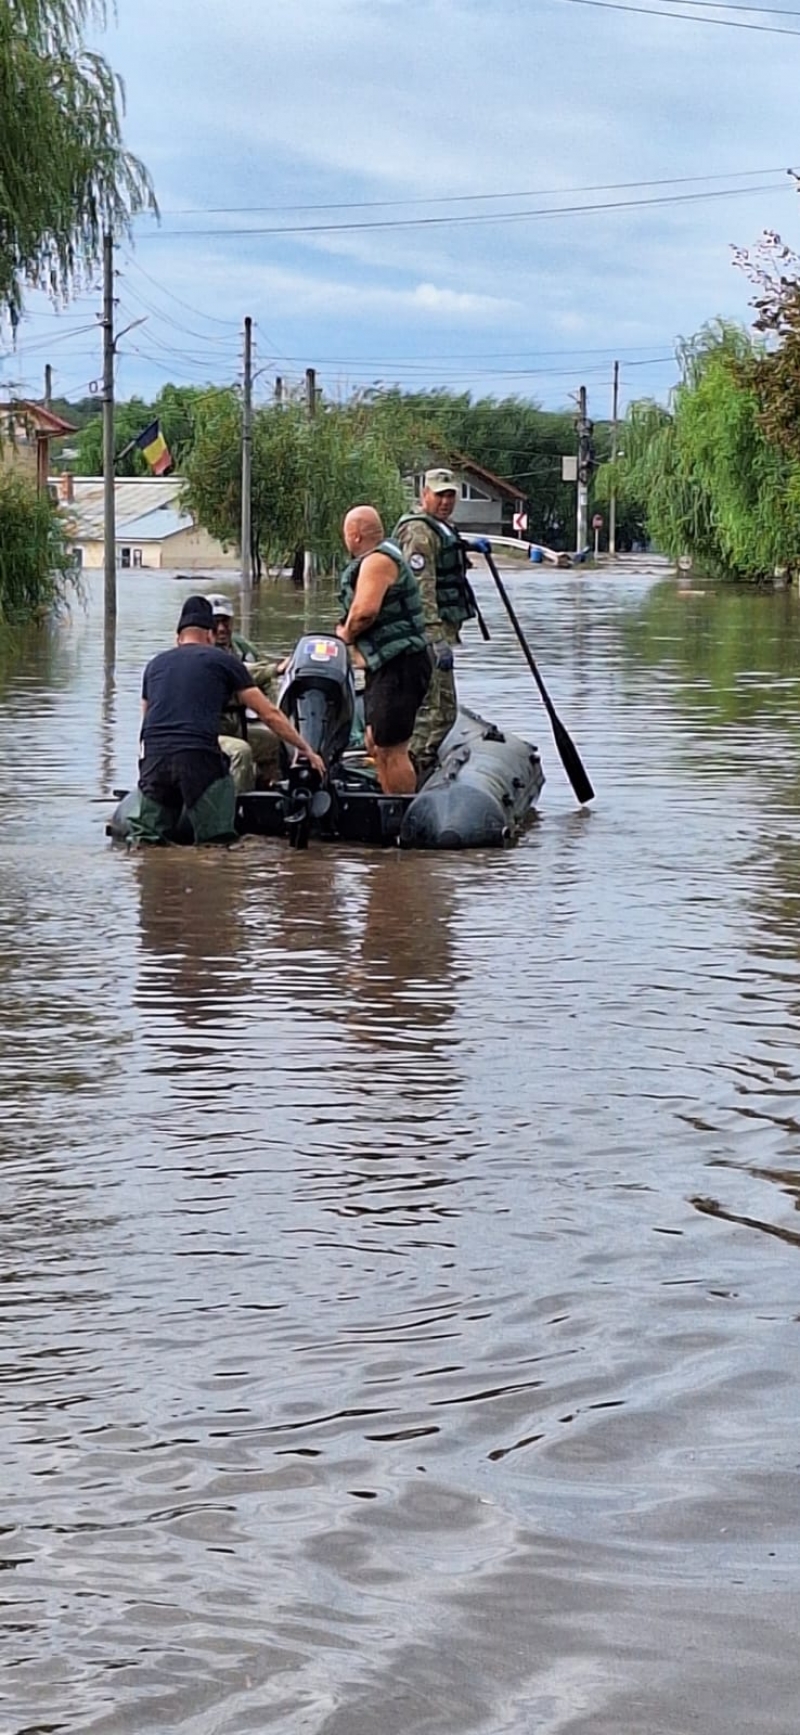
(393, 695)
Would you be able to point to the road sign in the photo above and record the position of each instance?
(597, 521)
(520, 520)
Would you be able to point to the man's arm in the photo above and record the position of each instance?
(264, 673)
(378, 572)
(278, 722)
(419, 543)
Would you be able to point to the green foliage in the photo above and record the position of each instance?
(65, 176)
(35, 575)
(512, 437)
(175, 408)
(306, 473)
(710, 481)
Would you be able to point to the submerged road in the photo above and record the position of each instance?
(400, 1253)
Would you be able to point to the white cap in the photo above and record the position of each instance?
(221, 605)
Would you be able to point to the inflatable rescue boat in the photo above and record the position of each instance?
(480, 794)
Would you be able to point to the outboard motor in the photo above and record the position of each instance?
(318, 695)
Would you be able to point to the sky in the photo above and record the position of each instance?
(435, 146)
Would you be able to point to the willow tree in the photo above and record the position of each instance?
(306, 473)
(774, 271)
(65, 175)
(710, 480)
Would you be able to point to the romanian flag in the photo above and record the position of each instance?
(154, 448)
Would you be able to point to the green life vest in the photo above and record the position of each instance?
(400, 625)
(454, 597)
(242, 648)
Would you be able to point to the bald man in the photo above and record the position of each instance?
(383, 621)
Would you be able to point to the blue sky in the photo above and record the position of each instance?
(250, 114)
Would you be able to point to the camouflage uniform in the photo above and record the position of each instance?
(439, 708)
(258, 748)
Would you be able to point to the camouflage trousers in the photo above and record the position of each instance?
(266, 750)
(240, 757)
(435, 718)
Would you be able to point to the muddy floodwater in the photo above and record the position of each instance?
(400, 1254)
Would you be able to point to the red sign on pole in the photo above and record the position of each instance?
(597, 522)
(520, 520)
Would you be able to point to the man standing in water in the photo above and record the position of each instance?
(184, 692)
(384, 623)
(437, 556)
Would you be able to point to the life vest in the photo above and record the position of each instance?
(400, 626)
(454, 595)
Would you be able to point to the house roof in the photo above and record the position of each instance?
(41, 420)
(140, 499)
(510, 489)
(155, 526)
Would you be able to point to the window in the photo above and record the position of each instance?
(137, 556)
(125, 557)
(470, 492)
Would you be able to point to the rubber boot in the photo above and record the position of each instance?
(212, 817)
(151, 823)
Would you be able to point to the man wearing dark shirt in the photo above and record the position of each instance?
(184, 692)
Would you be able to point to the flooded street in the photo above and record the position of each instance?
(400, 1253)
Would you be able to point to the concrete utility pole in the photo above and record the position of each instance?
(48, 386)
(311, 405)
(247, 459)
(278, 389)
(612, 504)
(583, 428)
(109, 520)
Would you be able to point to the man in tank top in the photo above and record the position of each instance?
(383, 621)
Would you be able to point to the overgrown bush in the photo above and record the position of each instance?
(36, 575)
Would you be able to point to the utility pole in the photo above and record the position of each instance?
(612, 503)
(278, 389)
(583, 429)
(48, 386)
(109, 520)
(247, 459)
(311, 404)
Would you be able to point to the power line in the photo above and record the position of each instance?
(185, 330)
(232, 324)
(474, 198)
(657, 12)
(166, 319)
(732, 6)
(494, 217)
(611, 349)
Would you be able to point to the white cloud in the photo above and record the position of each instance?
(293, 292)
(263, 103)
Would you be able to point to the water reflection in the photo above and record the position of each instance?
(400, 1254)
(192, 932)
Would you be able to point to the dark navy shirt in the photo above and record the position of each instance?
(187, 689)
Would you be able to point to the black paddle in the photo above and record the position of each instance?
(570, 757)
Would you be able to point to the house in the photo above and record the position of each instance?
(26, 430)
(486, 503)
(153, 528)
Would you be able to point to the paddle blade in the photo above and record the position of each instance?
(571, 761)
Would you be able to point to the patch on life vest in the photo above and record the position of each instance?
(323, 650)
(417, 562)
